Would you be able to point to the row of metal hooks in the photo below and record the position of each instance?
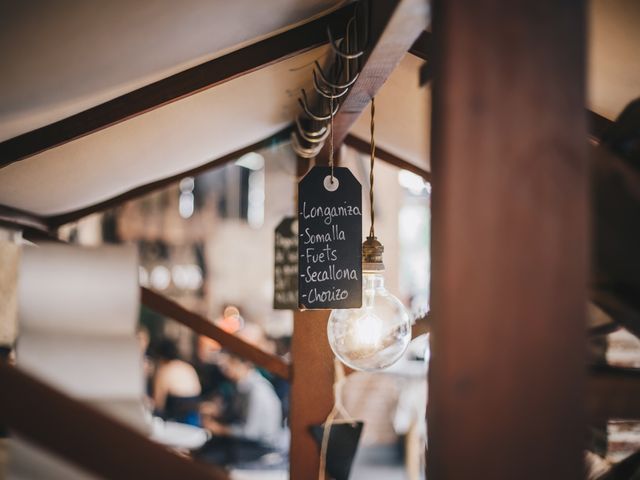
(313, 125)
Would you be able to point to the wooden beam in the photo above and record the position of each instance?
(86, 437)
(55, 221)
(199, 324)
(364, 147)
(311, 389)
(423, 45)
(214, 72)
(510, 241)
(624, 470)
(613, 393)
(614, 305)
(598, 125)
(21, 220)
(395, 26)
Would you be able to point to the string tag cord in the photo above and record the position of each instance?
(331, 139)
(338, 409)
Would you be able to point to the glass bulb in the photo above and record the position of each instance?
(375, 335)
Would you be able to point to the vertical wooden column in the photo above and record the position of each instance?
(510, 240)
(311, 389)
(311, 395)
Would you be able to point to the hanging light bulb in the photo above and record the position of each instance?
(375, 335)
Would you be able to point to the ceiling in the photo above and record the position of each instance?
(67, 56)
(160, 143)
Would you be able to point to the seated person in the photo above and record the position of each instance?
(211, 378)
(176, 387)
(254, 334)
(257, 427)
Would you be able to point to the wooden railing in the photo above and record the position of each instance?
(86, 437)
(199, 324)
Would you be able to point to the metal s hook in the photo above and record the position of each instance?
(324, 93)
(304, 103)
(302, 151)
(336, 47)
(308, 143)
(312, 137)
(312, 133)
(336, 86)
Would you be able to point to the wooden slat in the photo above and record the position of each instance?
(395, 26)
(203, 326)
(219, 70)
(613, 393)
(85, 436)
(510, 241)
(363, 146)
(55, 221)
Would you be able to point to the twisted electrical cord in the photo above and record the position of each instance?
(372, 232)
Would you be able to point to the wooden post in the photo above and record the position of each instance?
(510, 245)
(311, 389)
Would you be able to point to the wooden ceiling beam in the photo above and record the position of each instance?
(20, 220)
(193, 80)
(395, 26)
(421, 48)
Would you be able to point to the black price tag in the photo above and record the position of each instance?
(329, 240)
(285, 270)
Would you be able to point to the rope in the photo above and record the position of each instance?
(338, 408)
(372, 231)
(331, 139)
(325, 443)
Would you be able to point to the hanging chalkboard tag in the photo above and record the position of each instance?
(329, 240)
(285, 270)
